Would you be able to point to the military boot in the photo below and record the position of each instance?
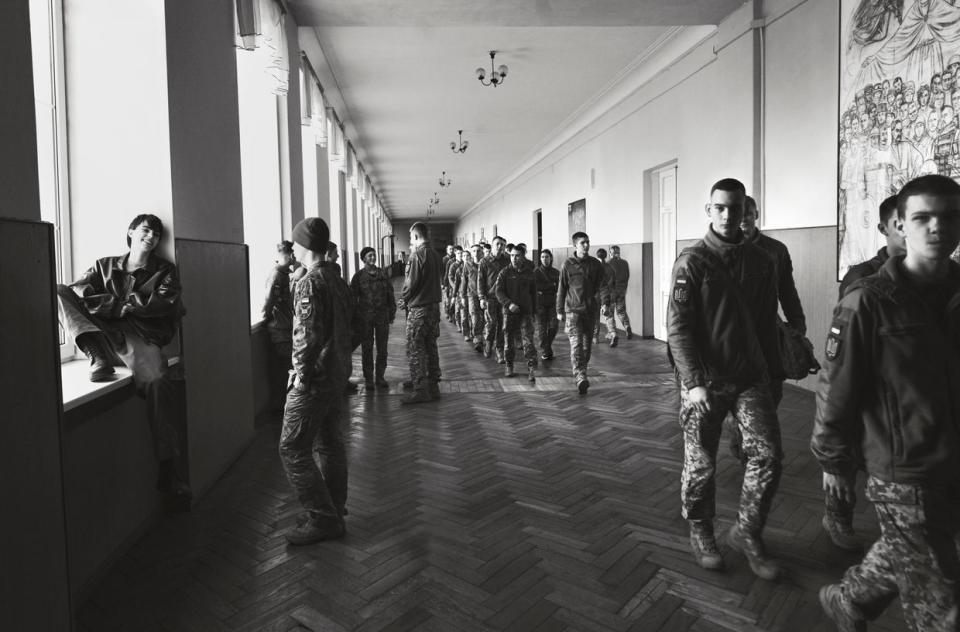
(832, 602)
(508, 370)
(629, 333)
(315, 529)
(614, 340)
(841, 534)
(752, 548)
(501, 359)
(433, 390)
(704, 545)
(94, 346)
(530, 374)
(419, 396)
(381, 382)
(488, 349)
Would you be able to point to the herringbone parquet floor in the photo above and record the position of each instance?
(502, 506)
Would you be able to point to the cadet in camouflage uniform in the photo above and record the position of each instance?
(604, 301)
(517, 292)
(277, 314)
(448, 261)
(453, 277)
(487, 274)
(459, 289)
(421, 298)
(322, 361)
(618, 296)
(470, 296)
(580, 279)
(546, 278)
(722, 333)
(890, 394)
(377, 308)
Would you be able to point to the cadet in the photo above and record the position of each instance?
(546, 278)
(447, 261)
(453, 273)
(322, 361)
(604, 296)
(486, 281)
(459, 289)
(470, 296)
(891, 395)
(277, 315)
(580, 279)
(618, 296)
(376, 309)
(721, 320)
(517, 292)
(421, 298)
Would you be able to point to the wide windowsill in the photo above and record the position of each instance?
(78, 389)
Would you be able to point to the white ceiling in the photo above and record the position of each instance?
(404, 70)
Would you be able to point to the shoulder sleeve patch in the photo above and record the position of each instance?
(834, 341)
(681, 291)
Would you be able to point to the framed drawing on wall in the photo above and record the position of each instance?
(576, 217)
(899, 97)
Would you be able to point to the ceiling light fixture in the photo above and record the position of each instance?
(462, 147)
(496, 76)
(435, 200)
(444, 180)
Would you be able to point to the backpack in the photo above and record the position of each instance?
(796, 352)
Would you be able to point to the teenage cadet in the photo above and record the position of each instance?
(546, 278)
(421, 297)
(333, 255)
(126, 309)
(721, 319)
(447, 261)
(453, 272)
(580, 279)
(894, 246)
(517, 292)
(322, 361)
(618, 296)
(890, 394)
(486, 281)
(376, 309)
(605, 296)
(460, 284)
(470, 296)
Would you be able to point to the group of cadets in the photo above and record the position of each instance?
(888, 401)
(503, 304)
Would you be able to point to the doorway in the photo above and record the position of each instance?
(537, 235)
(662, 183)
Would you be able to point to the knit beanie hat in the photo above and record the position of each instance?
(312, 233)
(363, 253)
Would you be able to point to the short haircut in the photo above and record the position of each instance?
(521, 248)
(728, 184)
(499, 238)
(748, 202)
(614, 247)
(285, 247)
(546, 251)
(331, 248)
(509, 247)
(601, 253)
(577, 236)
(486, 246)
(887, 208)
(152, 221)
(933, 184)
(458, 248)
(421, 229)
(366, 249)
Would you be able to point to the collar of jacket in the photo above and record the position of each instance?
(721, 245)
(153, 263)
(900, 288)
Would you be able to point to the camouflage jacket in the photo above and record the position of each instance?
(277, 309)
(517, 287)
(622, 271)
(487, 274)
(468, 279)
(580, 281)
(546, 280)
(322, 315)
(373, 293)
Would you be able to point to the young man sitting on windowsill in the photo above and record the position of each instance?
(125, 309)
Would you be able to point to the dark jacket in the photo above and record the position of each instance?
(444, 266)
(786, 288)
(277, 309)
(517, 287)
(148, 298)
(863, 270)
(580, 280)
(490, 268)
(322, 315)
(891, 383)
(722, 314)
(453, 276)
(374, 298)
(468, 280)
(621, 270)
(547, 281)
(605, 292)
(421, 287)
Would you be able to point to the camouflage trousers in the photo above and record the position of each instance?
(423, 329)
(449, 303)
(477, 319)
(752, 408)
(517, 327)
(579, 328)
(459, 314)
(493, 325)
(618, 306)
(374, 333)
(608, 322)
(311, 423)
(546, 328)
(915, 558)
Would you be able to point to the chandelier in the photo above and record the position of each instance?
(496, 76)
(444, 180)
(435, 200)
(462, 146)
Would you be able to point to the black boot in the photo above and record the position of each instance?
(94, 345)
(170, 483)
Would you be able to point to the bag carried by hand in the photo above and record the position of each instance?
(796, 352)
